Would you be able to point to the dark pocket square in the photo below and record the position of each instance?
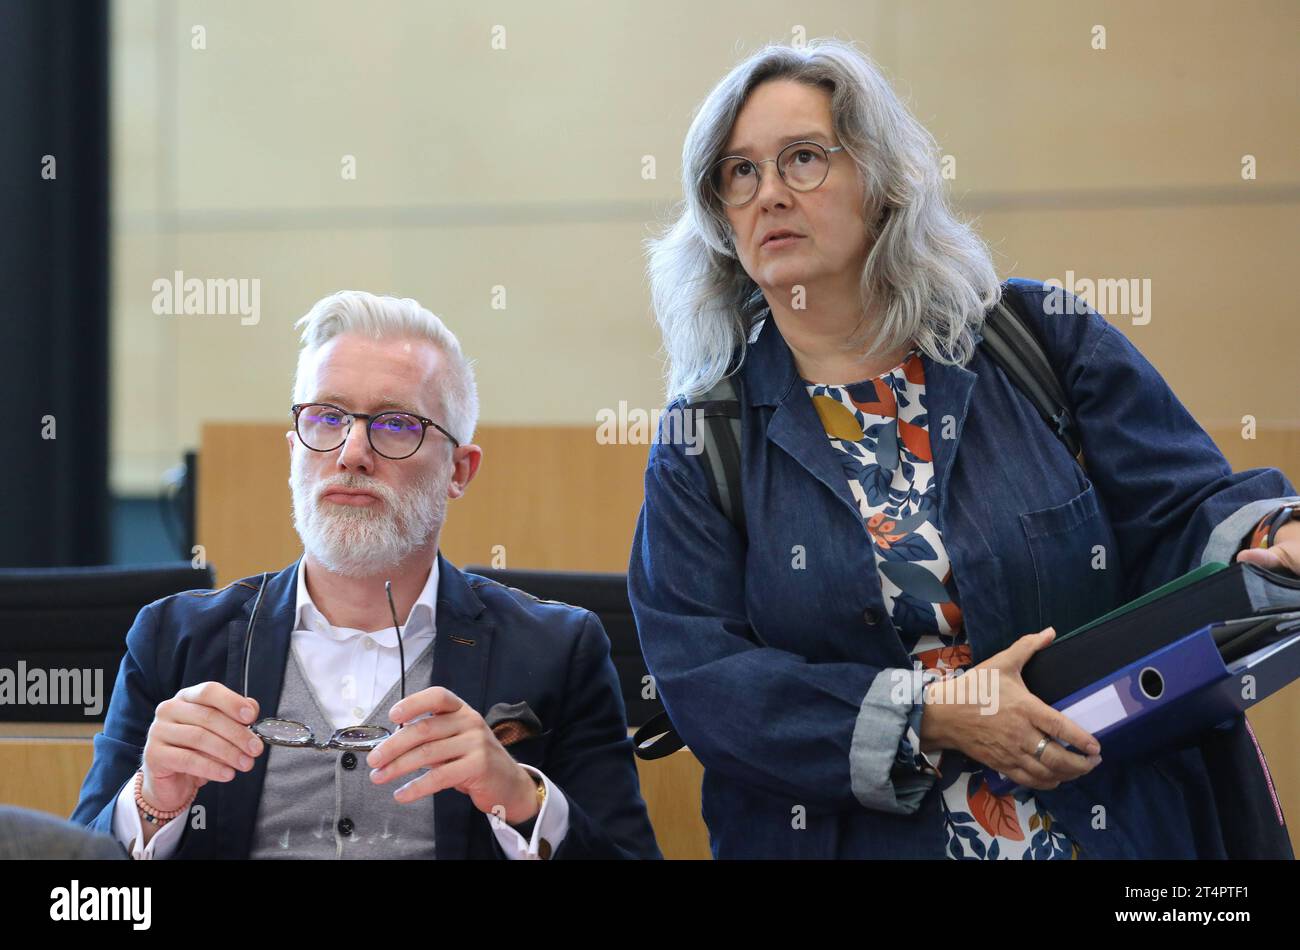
(513, 722)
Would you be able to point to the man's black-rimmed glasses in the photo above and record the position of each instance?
(323, 427)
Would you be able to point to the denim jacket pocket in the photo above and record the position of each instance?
(1076, 566)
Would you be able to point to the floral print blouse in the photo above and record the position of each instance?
(880, 429)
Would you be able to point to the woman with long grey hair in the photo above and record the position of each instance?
(905, 522)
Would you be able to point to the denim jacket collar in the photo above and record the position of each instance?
(771, 379)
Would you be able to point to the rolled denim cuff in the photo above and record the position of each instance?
(884, 770)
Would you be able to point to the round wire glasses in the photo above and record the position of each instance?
(802, 165)
(394, 435)
(298, 735)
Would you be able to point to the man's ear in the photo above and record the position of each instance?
(466, 461)
(291, 437)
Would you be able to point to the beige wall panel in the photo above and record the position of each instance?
(1216, 314)
(564, 113)
(575, 337)
(142, 377)
(1183, 90)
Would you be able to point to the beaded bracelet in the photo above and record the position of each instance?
(156, 816)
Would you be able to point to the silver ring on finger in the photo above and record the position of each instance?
(1042, 745)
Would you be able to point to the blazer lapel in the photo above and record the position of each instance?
(237, 800)
(947, 399)
(771, 380)
(461, 647)
(796, 428)
(976, 569)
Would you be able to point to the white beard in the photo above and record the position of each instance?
(359, 541)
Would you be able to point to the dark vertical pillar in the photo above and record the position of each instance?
(54, 282)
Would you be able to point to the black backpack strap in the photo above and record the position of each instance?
(1012, 344)
(717, 413)
(656, 738)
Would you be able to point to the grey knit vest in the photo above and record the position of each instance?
(314, 807)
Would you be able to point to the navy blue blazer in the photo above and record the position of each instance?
(779, 724)
(494, 644)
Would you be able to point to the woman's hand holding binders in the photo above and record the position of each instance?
(1004, 726)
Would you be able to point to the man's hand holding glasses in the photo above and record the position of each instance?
(199, 735)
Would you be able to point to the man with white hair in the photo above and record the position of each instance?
(511, 740)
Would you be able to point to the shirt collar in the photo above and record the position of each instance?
(420, 621)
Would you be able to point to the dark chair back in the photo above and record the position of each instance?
(57, 623)
(605, 595)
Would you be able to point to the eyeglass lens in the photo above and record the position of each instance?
(394, 434)
(803, 165)
(296, 734)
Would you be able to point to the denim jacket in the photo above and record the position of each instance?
(776, 660)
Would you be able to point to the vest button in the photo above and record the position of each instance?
(349, 761)
(871, 616)
(345, 826)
